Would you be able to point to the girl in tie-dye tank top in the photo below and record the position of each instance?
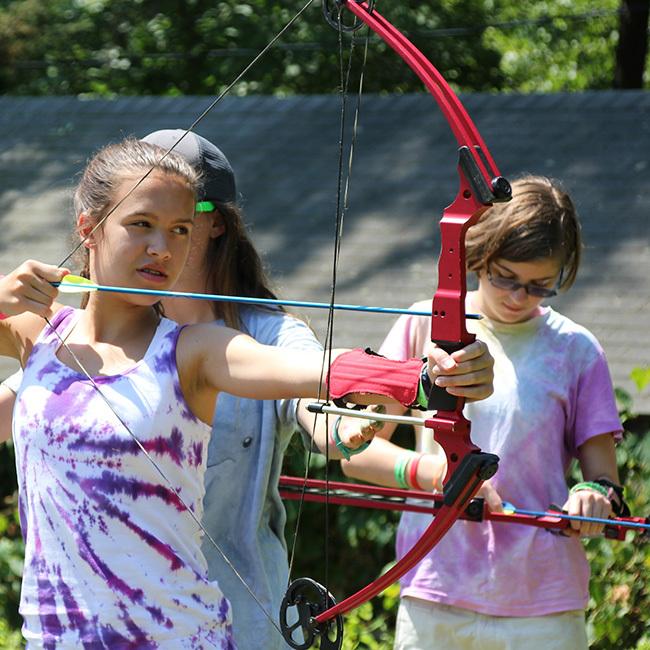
(112, 419)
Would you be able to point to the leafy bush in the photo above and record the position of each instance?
(12, 553)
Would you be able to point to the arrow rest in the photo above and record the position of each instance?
(309, 599)
(333, 10)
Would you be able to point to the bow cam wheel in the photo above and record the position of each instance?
(305, 599)
(333, 10)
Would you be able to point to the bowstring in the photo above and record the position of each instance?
(343, 187)
(87, 374)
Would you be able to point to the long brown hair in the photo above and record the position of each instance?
(539, 222)
(235, 267)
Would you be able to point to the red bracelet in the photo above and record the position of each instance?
(413, 471)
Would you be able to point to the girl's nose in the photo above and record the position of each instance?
(519, 295)
(158, 245)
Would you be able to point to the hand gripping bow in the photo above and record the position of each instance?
(318, 614)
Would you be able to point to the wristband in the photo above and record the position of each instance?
(413, 472)
(620, 508)
(346, 451)
(365, 372)
(424, 388)
(588, 485)
(400, 468)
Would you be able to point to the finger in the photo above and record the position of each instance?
(491, 496)
(467, 376)
(46, 272)
(371, 427)
(587, 503)
(475, 350)
(480, 385)
(484, 363)
(33, 280)
(599, 508)
(475, 378)
(439, 360)
(39, 292)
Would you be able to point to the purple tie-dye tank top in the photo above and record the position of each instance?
(112, 558)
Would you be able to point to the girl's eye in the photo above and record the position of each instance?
(141, 224)
(182, 230)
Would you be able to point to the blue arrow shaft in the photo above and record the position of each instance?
(265, 301)
(594, 520)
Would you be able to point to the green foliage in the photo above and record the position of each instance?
(641, 377)
(371, 627)
(619, 607)
(10, 639)
(562, 45)
(12, 552)
(198, 47)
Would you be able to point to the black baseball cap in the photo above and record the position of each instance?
(218, 176)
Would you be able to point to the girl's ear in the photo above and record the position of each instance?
(84, 230)
(218, 226)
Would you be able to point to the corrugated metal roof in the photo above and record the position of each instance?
(285, 154)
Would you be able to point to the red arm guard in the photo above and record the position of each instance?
(359, 371)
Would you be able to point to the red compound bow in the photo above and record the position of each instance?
(318, 615)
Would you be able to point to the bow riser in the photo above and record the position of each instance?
(448, 329)
(448, 306)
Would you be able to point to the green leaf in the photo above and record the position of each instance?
(641, 377)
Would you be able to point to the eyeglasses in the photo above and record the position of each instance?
(205, 206)
(531, 289)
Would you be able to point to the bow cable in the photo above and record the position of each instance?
(343, 186)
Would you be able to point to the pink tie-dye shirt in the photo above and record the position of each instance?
(112, 557)
(552, 392)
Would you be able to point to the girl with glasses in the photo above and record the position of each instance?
(497, 585)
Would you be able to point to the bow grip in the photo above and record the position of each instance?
(439, 398)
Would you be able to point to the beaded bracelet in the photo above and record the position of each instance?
(346, 451)
(589, 485)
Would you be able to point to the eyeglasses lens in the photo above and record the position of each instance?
(512, 285)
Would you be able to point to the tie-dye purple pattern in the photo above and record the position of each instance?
(112, 557)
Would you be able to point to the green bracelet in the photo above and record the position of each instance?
(400, 468)
(423, 390)
(589, 485)
(346, 451)
(422, 399)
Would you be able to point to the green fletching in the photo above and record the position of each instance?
(75, 284)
